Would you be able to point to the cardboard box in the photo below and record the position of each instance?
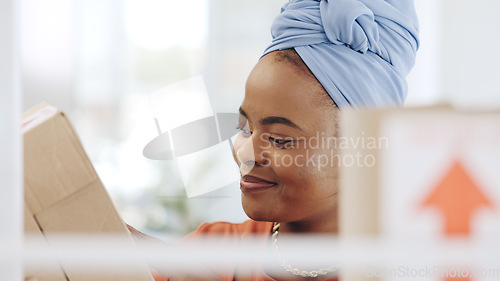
(365, 134)
(424, 176)
(63, 194)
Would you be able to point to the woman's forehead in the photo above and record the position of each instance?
(278, 87)
(273, 81)
(285, 95)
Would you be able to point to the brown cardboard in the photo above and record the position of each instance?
(358, 204)
(63, 193)
(358, 200)
(52, 272)
(360, 195)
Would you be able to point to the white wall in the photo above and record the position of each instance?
(469, 52)
(424, 82)
(458, 58)
(48, 49)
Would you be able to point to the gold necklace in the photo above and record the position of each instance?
(295, 271)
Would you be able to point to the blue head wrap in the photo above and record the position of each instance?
(360, 50)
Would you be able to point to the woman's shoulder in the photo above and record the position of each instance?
(247, 227)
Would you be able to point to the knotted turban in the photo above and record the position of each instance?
(359, 50)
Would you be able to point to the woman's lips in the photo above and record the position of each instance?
(251, 183)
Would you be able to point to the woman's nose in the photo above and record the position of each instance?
(247, 154)
(244, 150)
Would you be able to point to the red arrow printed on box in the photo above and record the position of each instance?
(458, 197)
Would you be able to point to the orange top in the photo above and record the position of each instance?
(232, 234)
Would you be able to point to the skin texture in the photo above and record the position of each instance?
(304, 195)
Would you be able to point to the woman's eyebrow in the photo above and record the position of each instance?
(273, 120)
(279, 120)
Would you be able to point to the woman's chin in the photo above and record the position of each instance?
(261, 218)
(258, 213)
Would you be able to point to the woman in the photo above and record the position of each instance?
(325, 56)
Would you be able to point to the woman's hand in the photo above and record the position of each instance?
(141, 237)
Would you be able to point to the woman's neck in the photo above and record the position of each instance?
(329, 225)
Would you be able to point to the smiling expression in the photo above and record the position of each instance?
(279, 115)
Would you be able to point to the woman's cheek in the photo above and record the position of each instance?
(289, 159)
(325, 165)
(304, 163)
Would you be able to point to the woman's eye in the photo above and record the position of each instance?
(244, 132)
(282, 143)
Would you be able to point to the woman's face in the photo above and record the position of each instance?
(286, 147)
